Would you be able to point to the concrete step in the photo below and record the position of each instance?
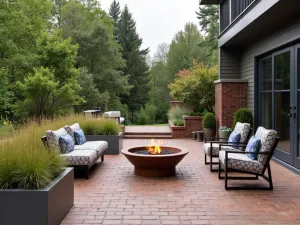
(146, 136)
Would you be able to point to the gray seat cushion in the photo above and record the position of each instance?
(80, 157)
(241, 162)
(98, 146)
(215, 149)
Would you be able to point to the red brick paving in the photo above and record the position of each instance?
(113, 195)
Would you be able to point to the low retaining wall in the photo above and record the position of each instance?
(191, 123)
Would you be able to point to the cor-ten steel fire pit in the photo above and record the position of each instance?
(154, 165)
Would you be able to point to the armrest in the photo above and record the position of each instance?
(242, 152)
(213, 138)
(232, 145)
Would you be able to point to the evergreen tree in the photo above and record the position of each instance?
(135, 58)
(209, 22)
(114, 11)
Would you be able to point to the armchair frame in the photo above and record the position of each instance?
(257, 175)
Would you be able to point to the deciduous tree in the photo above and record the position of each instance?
(195, 86)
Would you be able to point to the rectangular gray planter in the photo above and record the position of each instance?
(46, 206)
(115, 142)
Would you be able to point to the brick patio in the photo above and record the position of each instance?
(113, 195)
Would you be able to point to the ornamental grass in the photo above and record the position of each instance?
(25, 163)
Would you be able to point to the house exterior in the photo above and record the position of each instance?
(259, 60)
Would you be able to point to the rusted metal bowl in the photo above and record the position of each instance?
(154, 165)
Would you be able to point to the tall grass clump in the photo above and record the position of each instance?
(100, 127)
(176, 113)
(25, 163)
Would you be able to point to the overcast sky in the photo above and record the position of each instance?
(158, 21)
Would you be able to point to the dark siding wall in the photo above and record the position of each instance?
(229, 63)
(278, 39)
(224, 14)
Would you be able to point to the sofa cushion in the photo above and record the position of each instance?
(80, 157)
(79, 137)
(71, 129)
(267, 139)
(253, 146)
(215, 149)
(66, 143)
(98, 146)
(53, 138)
(241, 162)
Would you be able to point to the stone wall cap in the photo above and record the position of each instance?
(231, 81)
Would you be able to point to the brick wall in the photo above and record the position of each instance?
(191, 123)
(229, 96)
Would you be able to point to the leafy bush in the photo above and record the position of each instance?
(147, 115)
(176, 113)
(243, 115)
(196, 114)
(178, 122)
(196, 86)
(6, 127)
(209, 121)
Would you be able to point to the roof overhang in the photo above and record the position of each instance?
(209, 2)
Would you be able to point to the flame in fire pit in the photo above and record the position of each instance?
(154, 148)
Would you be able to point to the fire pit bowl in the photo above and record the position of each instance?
(154, 165)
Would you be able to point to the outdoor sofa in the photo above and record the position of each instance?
(83, 156)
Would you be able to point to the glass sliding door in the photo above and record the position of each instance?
(279, 101)
(275, 78)
(282, 99)
(265, 69)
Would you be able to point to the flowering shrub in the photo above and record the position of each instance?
(196, 86)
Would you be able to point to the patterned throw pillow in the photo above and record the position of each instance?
(253, 146)
(234, 137)
(53, 138)
(71, 129)
(79, 137)
(66, 143)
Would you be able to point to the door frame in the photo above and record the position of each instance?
(296, 158)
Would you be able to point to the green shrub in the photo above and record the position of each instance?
(179, 122)
(195, 86)
(147, 115)
(176, 113)
(6, 127)
(243, 115)
(196, 114)
(209, 121)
